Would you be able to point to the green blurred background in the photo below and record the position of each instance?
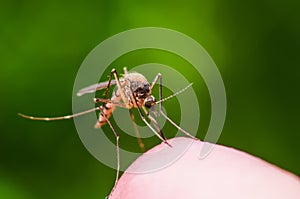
(255, 45)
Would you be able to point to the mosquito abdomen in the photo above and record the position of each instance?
(107, 110)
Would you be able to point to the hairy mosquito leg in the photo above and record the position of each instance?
(141, 144)
(164, 115)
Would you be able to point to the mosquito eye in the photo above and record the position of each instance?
(140, 91)
(146, 87)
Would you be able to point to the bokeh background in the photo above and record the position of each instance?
(255, 45)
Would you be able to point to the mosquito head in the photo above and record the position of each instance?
(149, 101)
(142, 91)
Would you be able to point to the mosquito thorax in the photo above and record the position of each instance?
(149, 101)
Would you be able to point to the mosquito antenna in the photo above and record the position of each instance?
(58, 118)
(178, 92)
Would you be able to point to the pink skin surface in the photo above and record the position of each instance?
(224, 173)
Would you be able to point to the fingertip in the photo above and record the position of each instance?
(223, 173)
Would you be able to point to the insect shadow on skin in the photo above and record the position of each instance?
(133, 92)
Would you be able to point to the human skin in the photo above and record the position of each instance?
(224, 173)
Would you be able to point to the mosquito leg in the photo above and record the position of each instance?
(113, 72)
(178, 127)
(157, 134)
(105, 102)
(108, 85)
(119, 104)
(124, 98)
(141, 144)
(58, 118)
(125, 71)
(155, 123)
(118, 147)
(145, 121)
(164, 115)
(155, 80)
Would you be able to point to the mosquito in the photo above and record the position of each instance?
(133, 91)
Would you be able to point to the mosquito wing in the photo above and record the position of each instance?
(93, 88)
